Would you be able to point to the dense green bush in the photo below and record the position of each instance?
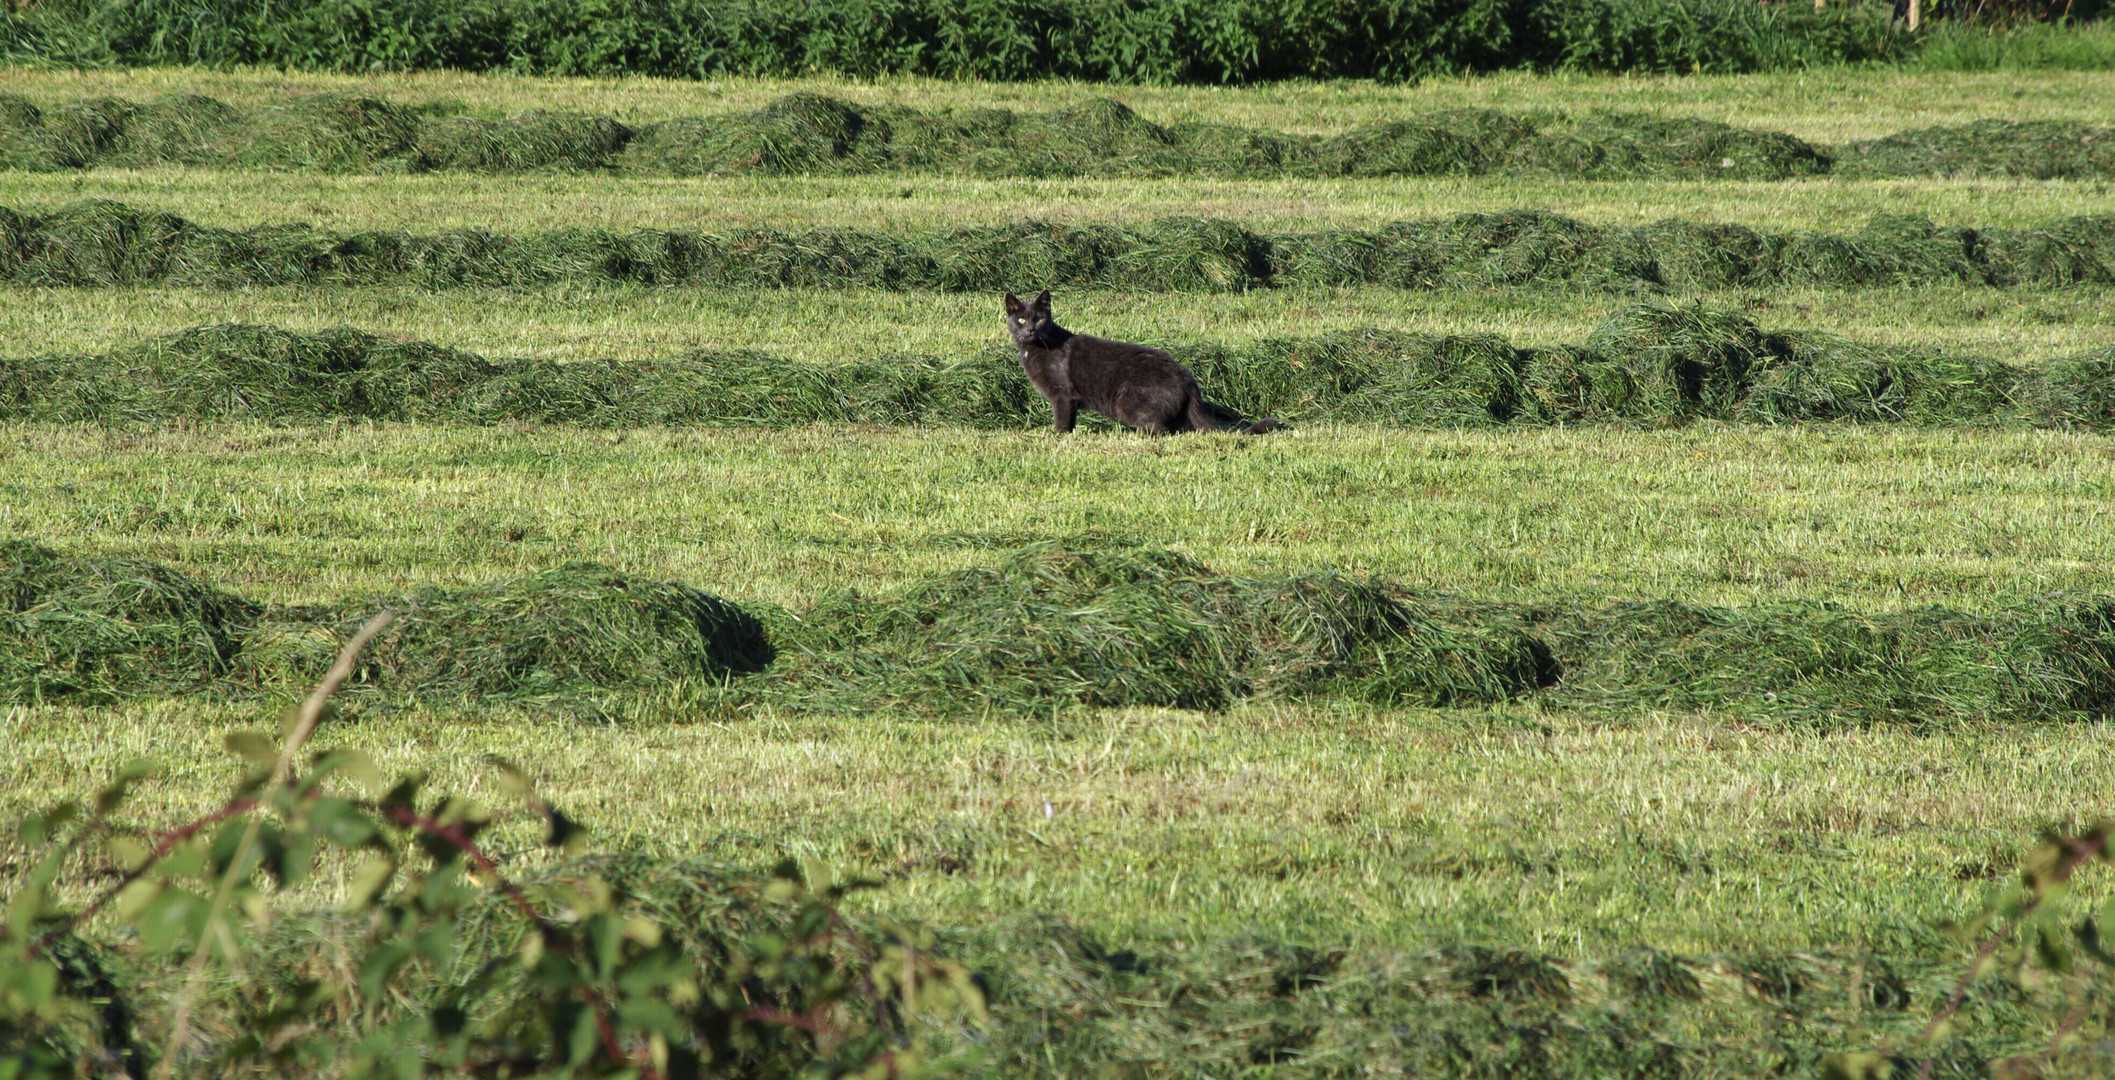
(1156, 41)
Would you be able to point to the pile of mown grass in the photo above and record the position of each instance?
(1062, 1002)
(1813, 664)
(1647, 364)
(89, 630)
(809, 134)
(92, 629)
(1053, 626)
(2040, 149)
(541, 637)
(102, 243)
(264, 373)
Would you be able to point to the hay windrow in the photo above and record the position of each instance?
(1061, 994)
(554, 636)
(810, 134)
(93, 630)
(1647, 364)
(103, 243)
(1048, 627)
(1051, 626)
(1806, 663)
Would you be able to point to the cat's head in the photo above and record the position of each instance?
(1026, 321)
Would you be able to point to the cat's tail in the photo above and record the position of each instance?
(1205, 416)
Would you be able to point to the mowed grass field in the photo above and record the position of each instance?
(1572, 832)
(1577, 833)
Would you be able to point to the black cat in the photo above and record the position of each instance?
(1133, 384)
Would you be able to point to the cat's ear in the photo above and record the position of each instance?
(1042, 302)
(1013, 303)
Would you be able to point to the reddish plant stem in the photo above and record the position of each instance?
(461, 841)
(2076, 852)
(162, 848)
(801, 1021)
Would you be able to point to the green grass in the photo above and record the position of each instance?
(1577, 832)
(1710, 514)
(1323, 826)
(1838, 105)
(1650, 364)
(545, 201)
(625, 322)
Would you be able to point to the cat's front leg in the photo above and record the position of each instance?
(1063, 411)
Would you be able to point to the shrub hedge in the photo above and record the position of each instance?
(1139, 41)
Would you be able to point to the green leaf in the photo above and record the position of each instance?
(382, 966)
(1855, 1066)
(32, 902)
(36, 829)
(583, 1037)
(120, 786)
(37, 983)
(2050, 948)
(646, 1014)
(368, 880)
(437, 944)
(128, 852)
(511, 778)
(170, 919)
(255, 747)
(362, 770)
(288, 857)
(342, 823)
(605, 940)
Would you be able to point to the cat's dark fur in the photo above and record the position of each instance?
(1136, 385)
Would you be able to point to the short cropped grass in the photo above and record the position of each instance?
(549, 201)
(631, 322)
(1319, 826)
(1878, 519)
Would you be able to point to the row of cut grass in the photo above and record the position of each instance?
(1050, 627)
(1647, 364)
(812, 134)
(1822, 106)
(1324, 826)
(100, 244)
